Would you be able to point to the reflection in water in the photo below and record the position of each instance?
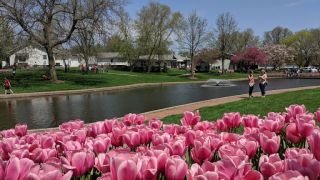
(45, 112)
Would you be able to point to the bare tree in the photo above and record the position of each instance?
(276, 35)
(155, 25)
(51, 23)
(193, 36)
(93, 29)
(226, 28)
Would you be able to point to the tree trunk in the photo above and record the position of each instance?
(52, 69)
(65, 66)
(192, 67)
(86, 60)
(222, 64)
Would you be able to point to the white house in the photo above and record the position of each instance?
(218, 64)
(33, 56)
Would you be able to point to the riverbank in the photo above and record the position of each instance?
(275, 101)
(30, 81)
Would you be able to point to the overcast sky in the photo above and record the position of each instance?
(260, 15)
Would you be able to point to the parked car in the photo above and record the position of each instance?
(309, 69)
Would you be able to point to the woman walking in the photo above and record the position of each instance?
(251, 83)
(263, 82)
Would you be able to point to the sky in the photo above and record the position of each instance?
(259, 15)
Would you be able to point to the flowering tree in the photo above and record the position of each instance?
(249, 58)
(278, 54)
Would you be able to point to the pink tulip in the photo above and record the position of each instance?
(305, 164)
(122, 169)
(79, 135)
(161, 156)
(292, 153)
(190, 118)
(116, 138)
(270, 165)
(20, 129)
(96, 129)
(221, 125)
(133, 119)
(148, 168)
(47, 141)
(201, 151)
(170, 129)
(102, 163)
(231, 150)
(176, 168)
(108, 123)
(292, 133)
(158, 139)
(269, 142)
(314, 143)
(230, 137)
(196, 172)
(155, 123)
(48, 171)
(274, 122)
(17, 168)
(232, 167)
(145, 135)
(232, 120)
(131, 138)
(100, 145)
(294, 110)
(80, 162)
(251, 146)
(7, 133)
(190, 137)
(71, 125)
(253, 175)
(318, 115)
(42, 155)
(204, 126)
(305, 124)
(251, 121)
(288, 175)
(177, 147)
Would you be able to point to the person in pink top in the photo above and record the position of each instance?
(7, 86)
(251, 83)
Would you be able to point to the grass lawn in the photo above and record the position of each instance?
(258, 106)
(31, 80)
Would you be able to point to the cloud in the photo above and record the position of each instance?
(294, 3)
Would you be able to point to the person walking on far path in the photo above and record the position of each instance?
(263, 82)
(7, 86)
(251, 83)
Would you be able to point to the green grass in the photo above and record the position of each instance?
(258, 106)
(31, 80)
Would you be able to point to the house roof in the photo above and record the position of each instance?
(108, 55)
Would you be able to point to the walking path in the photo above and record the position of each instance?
(161, 113)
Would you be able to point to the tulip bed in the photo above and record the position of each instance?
(279, 146)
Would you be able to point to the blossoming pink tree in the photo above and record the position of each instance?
(278, 54)
(249, 58)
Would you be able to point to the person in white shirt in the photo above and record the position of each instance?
(263, 82)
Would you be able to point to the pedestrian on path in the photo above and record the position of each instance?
(263, 82)
(7, 86)
(251, 83)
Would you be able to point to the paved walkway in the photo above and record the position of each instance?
(161, 113)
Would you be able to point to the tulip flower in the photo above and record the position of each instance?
(145, 135)
(17, 168)
(201, 151)
(269, 142)
(250, 121)
(123, 169)
(314, 143)
(47, 141)
(231, 150)
(155, 124)
(190, 118)
(232, 120)
(116, 138)
(101, 145)
(177, 147)
(305, 124)
(20, 129)
(250, 146)
(176, 168)
(274, 122)
(79, 162)
(318, 115)
(203, 126)
(305, 164)
(71, 125)
(288, 175)
(270, 165)
(131, 138)
(148, 168)
(292, 133)
(7, 133)
(294, 110)
(253, 175)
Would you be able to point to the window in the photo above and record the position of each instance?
(44, 56)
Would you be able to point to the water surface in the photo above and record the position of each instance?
(44, 112)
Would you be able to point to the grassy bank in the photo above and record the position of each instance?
(31, 80)
(258, 106)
